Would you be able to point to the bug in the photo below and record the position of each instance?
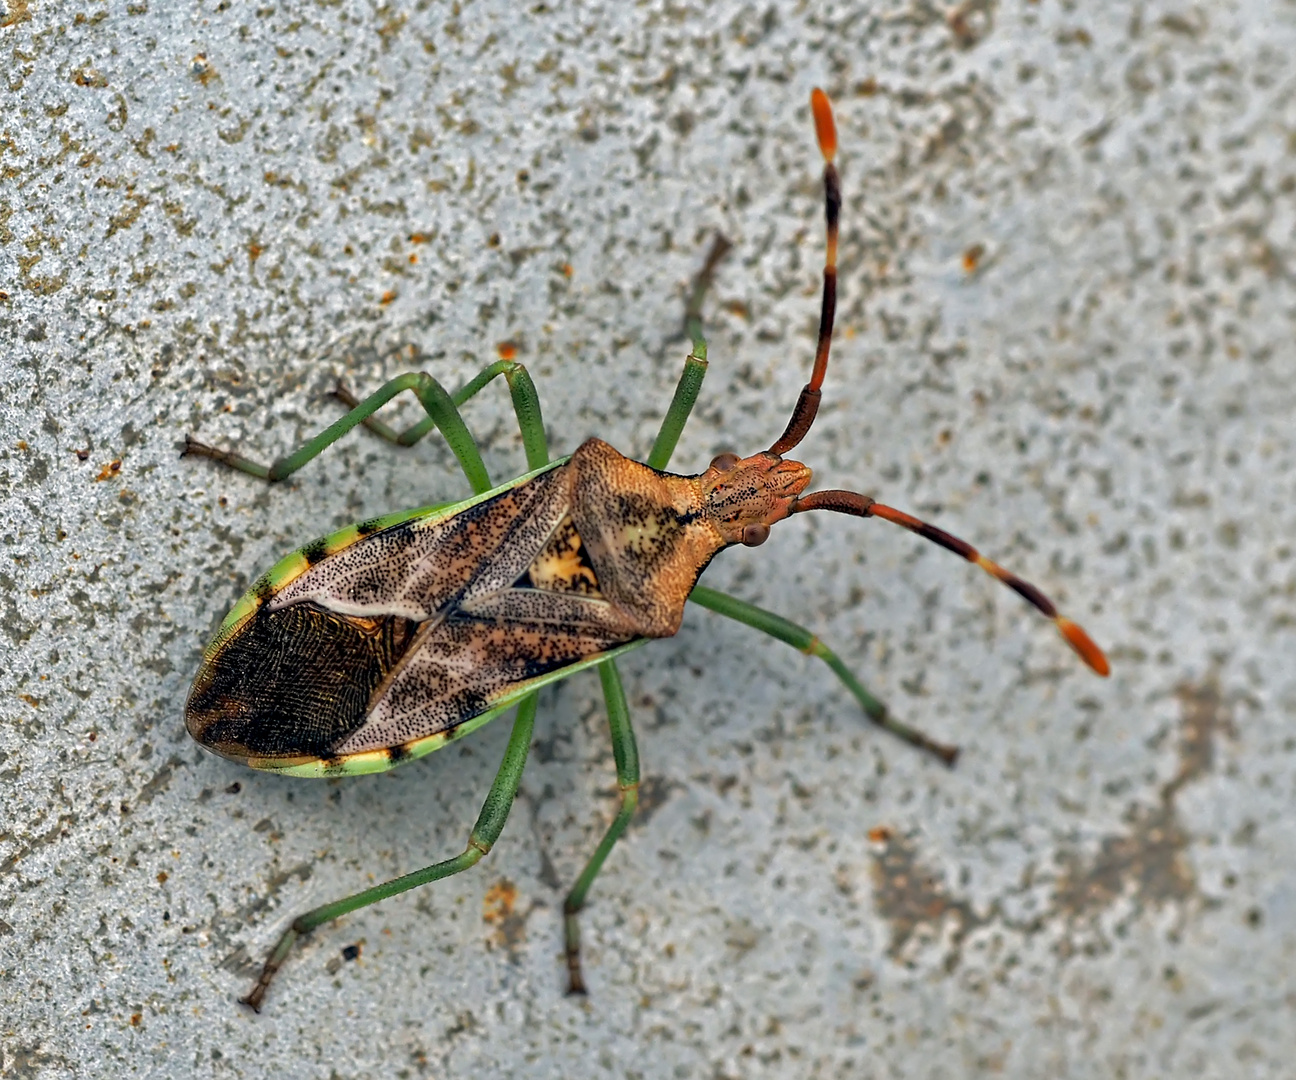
(388, 639)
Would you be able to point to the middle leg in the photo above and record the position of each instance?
(526, 406)
(626, 754)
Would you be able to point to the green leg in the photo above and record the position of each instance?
(442, 412)
(695, 367)
(526, 404)
(625, 751)
(801, 638)
(490, 823)
(626, 754)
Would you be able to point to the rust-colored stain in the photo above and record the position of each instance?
(499, 902)
(18, 11)
(109, 471)
(500, 910)
(201, 68)
(969, 22)
(972, 258)
(915, 900)
(1147, 861)
(506, 350)
(388, 297)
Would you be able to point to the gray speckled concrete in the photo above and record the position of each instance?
(206, 218)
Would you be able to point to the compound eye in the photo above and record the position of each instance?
(725, 462)
(755, 534)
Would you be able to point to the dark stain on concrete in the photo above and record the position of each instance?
(1145, 862)
(159, 782)
(31, 1062)
(654, 793)
(56, 832)
(1148, 861)
(915, 900)
(276, 882)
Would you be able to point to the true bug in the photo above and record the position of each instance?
(382, 642)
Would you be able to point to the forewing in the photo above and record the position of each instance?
(418, 569)
(302, 658)
(491, 645)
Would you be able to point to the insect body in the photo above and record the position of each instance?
(376, 645)
(383, 641)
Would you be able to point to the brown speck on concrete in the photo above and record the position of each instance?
(18, 11)
(201, 68)
(90, 77)
(969, 22)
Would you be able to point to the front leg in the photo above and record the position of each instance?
(801, 638)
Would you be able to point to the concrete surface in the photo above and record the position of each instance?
(1066, 334)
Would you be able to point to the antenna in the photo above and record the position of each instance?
(808, 403)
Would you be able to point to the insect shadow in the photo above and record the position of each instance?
(388, 639)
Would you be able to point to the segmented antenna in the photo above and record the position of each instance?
(808, 403)
(848, 502)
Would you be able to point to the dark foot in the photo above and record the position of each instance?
(193, 448)
(345, 396)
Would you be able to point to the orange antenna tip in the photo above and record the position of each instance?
(825, 128)
(1083, 644)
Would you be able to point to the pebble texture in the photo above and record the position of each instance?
(1065, 334)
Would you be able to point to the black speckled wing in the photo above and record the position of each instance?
(407, 632)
